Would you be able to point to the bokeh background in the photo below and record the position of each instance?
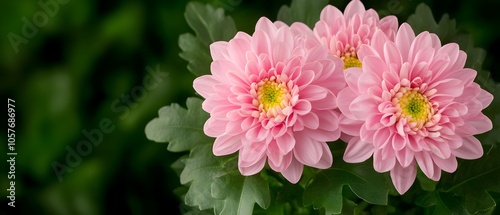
(83, 66)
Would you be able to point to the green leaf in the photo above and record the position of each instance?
(325, 188)
(175, 124)
(179, 165)
(201, 168)
(473, 179)
(466, 191)
(240, 193)
(423, 20)
(302, 11)
(210, 25)
(215, 182)
(437, 203)
(196, 53)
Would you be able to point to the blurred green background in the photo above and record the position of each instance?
(87, 65)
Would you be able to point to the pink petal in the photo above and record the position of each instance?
(265, 25)
(366, 50)
(471, 149)
(405, 157)
(352, 78)
(374, 67)
(480, 123)
(485, 98)
(399, 142)
(220, 112)
(323, 135)
(389, 25)
(381, 137)
(261, 43)
(218, 50)
(285, 143)
(302, 107)
(315, 53)
(466, 75)
(384, 159)
(326, 159)
(252, 158)
(221, 68)
(294, 171)
(237, 48)
(310, 120)
(350, 126)
(366, 135)
(307, 150)
(313, 93)
(448, 87)
(403, 178)
(437, 173)
(257, 133)
(377, 44)
(373, 121)
(449, 164)
(212, 102)
(344, 100)
(278, 130)
(459, 63)
(275, 157)
(423, 55)
(357, 151)
(214, 127)
(204, 85)
(422, 41)
(281, 52)
(254, 168)
(425, 163)
(327, 103)
(225, 145)
(354, 7)
(305, 78)
(363, 106)
(392, 55)
(469, 94)
(283, 164)
(451, 50)
(329, 120)
(233, 127)
(332, 15)
(440, 150)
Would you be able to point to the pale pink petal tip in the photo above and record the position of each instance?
(403, 178)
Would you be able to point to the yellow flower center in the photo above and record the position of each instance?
(349, 57)
(271, 94)
(351, 62)
(413, 105)
(272, 98)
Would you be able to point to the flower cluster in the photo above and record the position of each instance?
(280, 95)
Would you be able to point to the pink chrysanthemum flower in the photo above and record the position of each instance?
(412, 104)
(344, 33)
(271, 96)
